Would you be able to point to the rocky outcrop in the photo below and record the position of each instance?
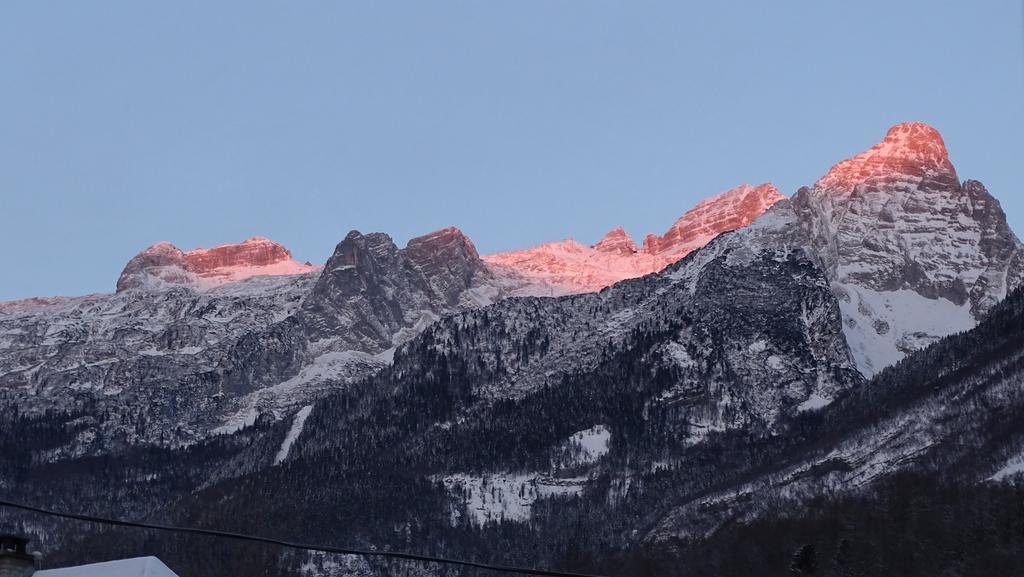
(730, 210)
(253, 252)
(164, 263)
(910, 153)
(617, 241)
(371, 291)
(370, 297)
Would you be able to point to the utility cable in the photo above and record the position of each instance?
(291, 544)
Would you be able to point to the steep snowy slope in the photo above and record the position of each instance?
(569, 267)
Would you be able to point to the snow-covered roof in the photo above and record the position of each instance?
(137, 567)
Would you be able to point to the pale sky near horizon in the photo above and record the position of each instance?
(200, 123)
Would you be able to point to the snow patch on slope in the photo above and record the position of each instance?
(882, 327)
(324, 373)
(1012, 467)
(813, 403)
(511, 496)
(593, 442)
(570, 267)
(506, 496)
(293, 433)
(582, 448)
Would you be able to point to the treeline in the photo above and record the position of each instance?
(907, 525)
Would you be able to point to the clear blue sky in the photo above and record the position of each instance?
(125, 123)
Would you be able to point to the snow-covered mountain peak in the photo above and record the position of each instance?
(912, 253)
(164, 263)
(909, 151)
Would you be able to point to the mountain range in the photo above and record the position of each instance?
(607, 408)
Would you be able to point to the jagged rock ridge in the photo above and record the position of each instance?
(568, 267)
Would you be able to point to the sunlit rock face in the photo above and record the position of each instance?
(730, 210)
(254, 252)
(205, 267)
(913, 253)
(567, 267)
(617, 241)
(911, 153)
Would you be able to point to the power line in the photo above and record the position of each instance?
(291, 544)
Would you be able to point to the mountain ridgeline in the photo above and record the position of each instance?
(828, 384)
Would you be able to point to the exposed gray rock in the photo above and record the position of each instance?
(913, 254)
(370, 290)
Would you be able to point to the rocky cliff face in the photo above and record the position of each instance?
(205, 267)
(371, 290)
(913, 253)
